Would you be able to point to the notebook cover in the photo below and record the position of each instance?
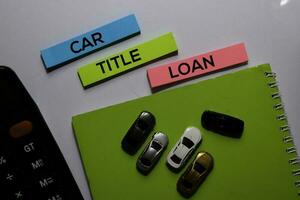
(253, 167)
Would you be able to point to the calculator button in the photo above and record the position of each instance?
(49, 191)
(10, 178)
(46, 182)
(35, 167)
(3, 161)
(20, 193)
(6, 164)
(55, 196)
(53, 193)
(5, 155)
(20, 129)
(28, 148)
(37, 164)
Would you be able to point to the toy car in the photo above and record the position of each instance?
(138, 132)
(184, 148)
(152, 153)
(195, 174)
(222, 124)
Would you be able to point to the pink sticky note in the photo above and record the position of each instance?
(197, 65)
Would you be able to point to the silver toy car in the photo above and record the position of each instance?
(152, 153)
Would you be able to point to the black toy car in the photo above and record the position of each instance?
(138, 132)
(222, 124)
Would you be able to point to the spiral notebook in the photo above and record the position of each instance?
(262, 164)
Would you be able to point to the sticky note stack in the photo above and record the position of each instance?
(139, 55)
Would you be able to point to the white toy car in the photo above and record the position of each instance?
(184, 148)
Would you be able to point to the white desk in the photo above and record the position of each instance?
(270, 29)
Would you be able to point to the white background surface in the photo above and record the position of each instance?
(269, 28)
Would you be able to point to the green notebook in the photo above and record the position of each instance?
(262, 164)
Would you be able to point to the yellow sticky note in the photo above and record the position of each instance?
(127, 60)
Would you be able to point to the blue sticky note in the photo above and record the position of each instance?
(99, 38)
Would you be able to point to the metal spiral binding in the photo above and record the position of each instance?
(281, 117)
(278, 106)
(297, 183)
(273, 84)
(287, 139)
(284, 128)
(275, 95)
(294, 161)
(291, 149)
(296, 172)
(270, 74)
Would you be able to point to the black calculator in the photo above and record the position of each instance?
(32, 166)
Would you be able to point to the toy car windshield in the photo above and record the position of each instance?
(187, 142)
(156, 146)
(176, 159)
